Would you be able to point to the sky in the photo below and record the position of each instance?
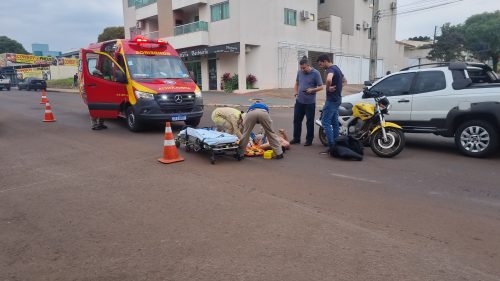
(71, 24)
(422, 23)
(64, 24)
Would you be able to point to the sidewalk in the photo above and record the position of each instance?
(275, 98)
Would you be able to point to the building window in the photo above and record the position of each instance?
(322, 1)
(131, 3)
(290, 17)
(220, 11)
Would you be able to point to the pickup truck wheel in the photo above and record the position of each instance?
(133, 123)
(476, 138)
(8, 88)
(193, 122)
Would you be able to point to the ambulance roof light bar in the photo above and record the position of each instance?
(141, 40)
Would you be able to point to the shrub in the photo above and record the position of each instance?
(226, 77)
(231, 84)
(251, 79)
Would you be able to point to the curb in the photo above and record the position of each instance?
(246, 105)
(57, 90)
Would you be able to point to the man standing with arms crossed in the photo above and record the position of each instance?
(334, 83)
(308, 83)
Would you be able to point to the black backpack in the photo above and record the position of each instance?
(347, 147)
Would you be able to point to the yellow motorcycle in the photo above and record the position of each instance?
(366, 122)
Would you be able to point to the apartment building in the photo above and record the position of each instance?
(266, 38)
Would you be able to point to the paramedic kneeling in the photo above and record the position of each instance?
(258, 113)
(228, 120)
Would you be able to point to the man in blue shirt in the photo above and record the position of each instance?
(307, 84)
(334, 83)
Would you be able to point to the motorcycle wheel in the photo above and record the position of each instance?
(322, 136)
(390, 148)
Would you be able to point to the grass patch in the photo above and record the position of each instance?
(60, 83)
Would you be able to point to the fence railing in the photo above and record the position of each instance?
(191, 27)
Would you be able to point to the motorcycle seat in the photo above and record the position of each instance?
(345, 109)
(345, 112)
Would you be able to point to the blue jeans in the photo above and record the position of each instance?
(330, 121)
(301, 110)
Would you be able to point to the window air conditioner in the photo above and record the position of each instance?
(138, 24)
(304, 15)
(366, 25)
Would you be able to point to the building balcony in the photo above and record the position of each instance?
(151, 35)
(146, 11)
(191, 27)
(181, 4)
(143, 3)
(190, 35)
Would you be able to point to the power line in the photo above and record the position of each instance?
(414, 10)
(416, 3)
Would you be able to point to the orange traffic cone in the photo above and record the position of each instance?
(44, 98)
(49, 117)
(170, 153)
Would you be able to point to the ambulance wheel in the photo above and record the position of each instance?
(133, 123)
(193, 122)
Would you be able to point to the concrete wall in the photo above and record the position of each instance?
(129, 17)
(62, 71)
(166, 21)
(146, 11)
(343, 9)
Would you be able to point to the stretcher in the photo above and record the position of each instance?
(209, 140)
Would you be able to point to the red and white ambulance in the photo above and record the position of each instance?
(142, 80)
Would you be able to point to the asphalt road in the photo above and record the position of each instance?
(77, 204)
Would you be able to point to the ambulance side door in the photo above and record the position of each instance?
(104, 84)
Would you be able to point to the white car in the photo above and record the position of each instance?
(4, 82)
(452, 100)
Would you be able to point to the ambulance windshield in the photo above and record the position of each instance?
(156, 67)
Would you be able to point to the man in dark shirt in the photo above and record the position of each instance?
(307, 84)
(334, 83)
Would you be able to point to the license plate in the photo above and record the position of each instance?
(179, 118)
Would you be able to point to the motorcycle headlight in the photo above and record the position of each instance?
(198, 93)
(143, 95)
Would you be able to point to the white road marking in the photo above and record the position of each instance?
(354, 178)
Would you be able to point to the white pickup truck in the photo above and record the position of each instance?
(4, 82)
(452, 100)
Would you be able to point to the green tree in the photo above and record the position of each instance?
(482, 36)
(420, 38)
(449, 45)
(8, 45)
(112, 32)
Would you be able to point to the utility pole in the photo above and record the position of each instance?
(374, 40)
(435, 31)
